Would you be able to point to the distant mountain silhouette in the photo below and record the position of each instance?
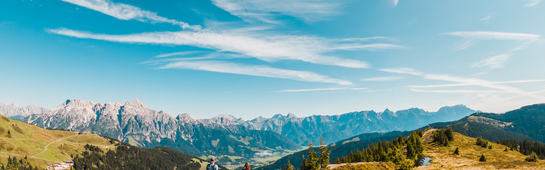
(337, 127)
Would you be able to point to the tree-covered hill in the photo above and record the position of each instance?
(339, 149)
(125, 156)
(527, 122)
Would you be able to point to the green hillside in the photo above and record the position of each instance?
(43, 146)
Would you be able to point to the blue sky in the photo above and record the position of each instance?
(259, 58)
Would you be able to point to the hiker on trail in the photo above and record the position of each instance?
(246, 166)
(212, 165)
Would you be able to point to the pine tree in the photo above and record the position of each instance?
(324, 155)
(337, 161)
(450, 134)
(312, 162)
(457, 152)
(482, 159)
(288, 166)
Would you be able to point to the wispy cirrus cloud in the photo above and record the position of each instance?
(472, 36)
(487, 18)
(532, 3)
(252, 70)
(370, 47)
(181, 53)
(308, 49)
(322, 89)
(488, 35)
(382, 79)
(267, 10)
(492, 62)
(402, 70)
(471, 84)
(498, 86)
(128, 12)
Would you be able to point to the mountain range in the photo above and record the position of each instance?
(133, 122)
(525, 123)
(338, 127)
(17, 111)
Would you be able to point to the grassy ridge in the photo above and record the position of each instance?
(31, 141)
(496, 158)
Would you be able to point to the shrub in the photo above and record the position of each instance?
(482, 159)
(482, 142)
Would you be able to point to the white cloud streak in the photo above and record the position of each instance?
(456, 91)
(474, 81)
(308, 49)
(488, 17)
(267, 10)
(263, 71)
(178, 53)
(469, 84)
(128, 12)
(532, 3)
(402, 70)
(493, 62)
(322, 89)
(463, 81)
(472, 36)
(486, 35)
(366, 47)
(382, 79)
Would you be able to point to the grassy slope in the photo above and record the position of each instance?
(443, 158)
(33, 140)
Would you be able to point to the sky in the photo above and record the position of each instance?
(251, 58)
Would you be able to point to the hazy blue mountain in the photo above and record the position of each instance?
(337, 127)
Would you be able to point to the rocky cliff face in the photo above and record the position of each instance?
(15, 110)
(135, 123)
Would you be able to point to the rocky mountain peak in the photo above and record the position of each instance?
(78, 103)
(185, 118)
(16, 110)
(291, 115)
(137, 103)
(278, 116)
(389, 113)
(15, 105)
